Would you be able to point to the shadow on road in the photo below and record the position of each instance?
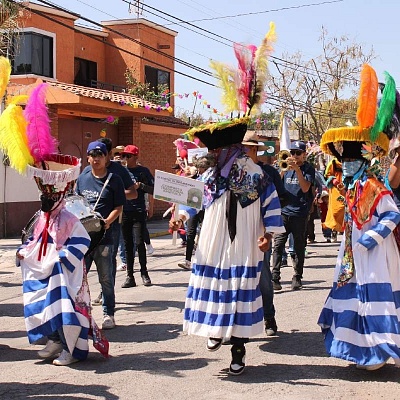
(139, 333)
(302, 374)
(155, 363)
(19, 390)
(11, 310)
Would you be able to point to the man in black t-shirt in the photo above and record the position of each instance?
(298, 182)
(134, 217)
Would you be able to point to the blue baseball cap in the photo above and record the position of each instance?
(298, 145)
(97, 146)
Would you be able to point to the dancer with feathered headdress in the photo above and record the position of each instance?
(242, 211)
(360, 317)
(55, 289)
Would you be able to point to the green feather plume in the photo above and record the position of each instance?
(386, 107)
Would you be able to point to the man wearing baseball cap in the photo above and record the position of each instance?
(134, 217)
(298, 181)
(105, 192)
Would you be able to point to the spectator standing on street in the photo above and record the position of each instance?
(134, 217)
(298, 182)
(116, 168)
(105, 192)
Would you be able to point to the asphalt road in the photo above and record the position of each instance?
(153, 359)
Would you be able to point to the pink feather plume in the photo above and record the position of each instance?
(245, 55)
(40, 141)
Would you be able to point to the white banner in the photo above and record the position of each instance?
(178, 189)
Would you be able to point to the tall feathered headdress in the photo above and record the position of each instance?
(25, 137)
(243, 87)
(374, 121)
(242, 92)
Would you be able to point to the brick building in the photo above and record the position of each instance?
(85, 69)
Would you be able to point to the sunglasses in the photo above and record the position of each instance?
(296, 152)
(96, 153)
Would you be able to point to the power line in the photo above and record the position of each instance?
(267, 11)
(201, 70)
(298, 104)
(114, 46)
(278, 61)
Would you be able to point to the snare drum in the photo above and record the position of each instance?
(78, 206)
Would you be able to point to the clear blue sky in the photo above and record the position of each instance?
(371, 23)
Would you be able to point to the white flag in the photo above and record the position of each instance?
(285, 138)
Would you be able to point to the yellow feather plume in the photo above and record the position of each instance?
(264, 50)
(13, 139)
(367, 97)
(5, 71)
(226, 76)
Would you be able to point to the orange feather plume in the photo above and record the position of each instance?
(367, 97)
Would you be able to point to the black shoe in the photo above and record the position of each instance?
(284, 263)
(296, 283)
(129, 282)
(238, 359)
(146, 279)
(276, 285)
(213, 344)
(270, 327)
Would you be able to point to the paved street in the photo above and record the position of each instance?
(153, 359)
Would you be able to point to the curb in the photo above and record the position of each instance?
(158, 234)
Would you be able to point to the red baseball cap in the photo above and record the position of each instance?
(131, 149)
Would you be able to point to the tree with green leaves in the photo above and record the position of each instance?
(319, 93)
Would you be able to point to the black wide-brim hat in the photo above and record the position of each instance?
(221, 134)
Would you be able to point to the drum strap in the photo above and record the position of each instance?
(102, 189)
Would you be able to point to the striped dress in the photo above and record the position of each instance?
(55, 290)
(223, 298)
(361, 320)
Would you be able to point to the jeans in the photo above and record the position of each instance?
(146, 233)
(116, 233)
(296, 226)
(122, 248)
(101, 256)
(191, 233)
(265, 285)
(132, 231)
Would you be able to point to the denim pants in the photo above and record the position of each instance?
(297, 226)
(101, 256)
(266, 288)
(122, 248)
(132, 231)
(116, 234)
